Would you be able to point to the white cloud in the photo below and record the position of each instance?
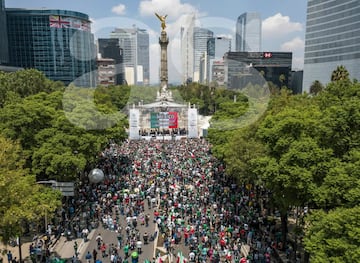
(173, 8)
(296, 44)
(119, 9)
(279, 25)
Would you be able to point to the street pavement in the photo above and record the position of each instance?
(65, 249)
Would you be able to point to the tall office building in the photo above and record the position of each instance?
(201, 36)
(135, 45)
(242, 68)
(248, 32)
(332, 38)
(187, 49)
(4, 58)
(56, 42)
(216, 48)
(110, 48)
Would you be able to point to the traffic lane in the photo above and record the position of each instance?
(110, 237)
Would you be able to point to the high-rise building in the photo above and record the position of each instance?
(218, 72)
(216, 48)
(187, 49)
(243, 68)
(106, 72)
(248, 32)
(110, 48)
(56, 42)
(4, 51)
(201, 36)
(135, 45)
(332, 38)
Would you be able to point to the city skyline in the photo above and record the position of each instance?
(283, 23)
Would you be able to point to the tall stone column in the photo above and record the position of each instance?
(163, 41)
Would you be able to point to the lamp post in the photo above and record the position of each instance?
(20, 252)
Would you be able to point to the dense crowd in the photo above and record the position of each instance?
(197, 208)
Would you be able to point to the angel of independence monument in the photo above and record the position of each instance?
(163, 119)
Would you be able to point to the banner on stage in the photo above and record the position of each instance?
(164, 120)
(192, 123)
(134, 124)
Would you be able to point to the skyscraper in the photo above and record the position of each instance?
(56, 42)
(4, 58)
(332, 38)
(248, 32)
(201, 36)
(135, 45)
(109, 48)
(187, 49)
(243, 68)
(216, 48)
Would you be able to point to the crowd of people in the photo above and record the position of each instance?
(198, 209)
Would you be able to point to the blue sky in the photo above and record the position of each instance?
(283, 21)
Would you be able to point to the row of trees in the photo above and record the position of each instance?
(49, 132)
(306, 149)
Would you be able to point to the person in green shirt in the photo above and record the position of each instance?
(126, 250)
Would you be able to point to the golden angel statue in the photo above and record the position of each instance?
(162, 19)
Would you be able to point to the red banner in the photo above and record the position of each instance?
(173, 119)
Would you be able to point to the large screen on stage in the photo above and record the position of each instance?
(164, 119)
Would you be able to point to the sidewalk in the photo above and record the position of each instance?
(62, 248)
(15, 251)
(65, 249)
(25, 253)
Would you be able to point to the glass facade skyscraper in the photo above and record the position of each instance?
(248, 32)
(136, 57)
(56, 42)
(187, 49)
(4, 51)
(242, 68)
(201, 36)
(332, 38)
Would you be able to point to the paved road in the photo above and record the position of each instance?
(110, 237)
(65, 249)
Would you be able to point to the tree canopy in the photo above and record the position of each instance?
(62, 130)
(305, 150)
(21, 199)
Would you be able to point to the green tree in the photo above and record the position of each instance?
(282, 80)
(340, 73)
(113, 95)
(294, 158)
(243, 148)
(25, 83)
(21, 120)
(61, 144)
(334, 236)
(340, 103)
(20, 196)
(316, 87)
